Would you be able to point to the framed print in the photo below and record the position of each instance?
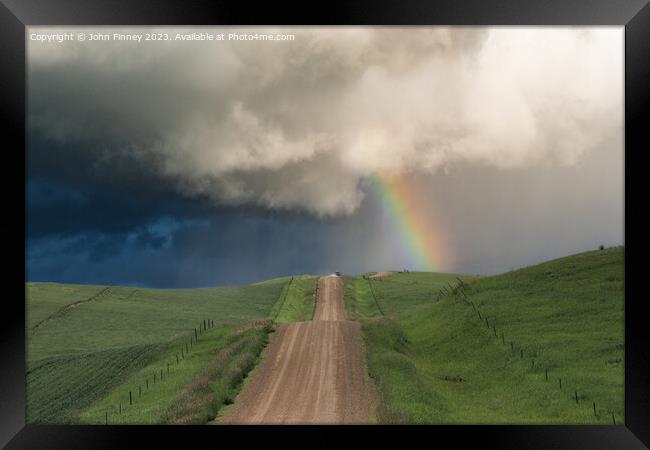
(365, 217)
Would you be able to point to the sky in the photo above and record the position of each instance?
(184, 163)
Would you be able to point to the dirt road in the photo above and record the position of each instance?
(311, 372)
(329, 305)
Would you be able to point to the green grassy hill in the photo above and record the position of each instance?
(297, 300)
(442, 348)
(84, 342)
(185, 386)
(119, 317)
(436, 359)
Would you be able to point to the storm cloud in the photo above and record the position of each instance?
(297, 125)
(184, 164)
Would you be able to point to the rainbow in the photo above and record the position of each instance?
(410, 215)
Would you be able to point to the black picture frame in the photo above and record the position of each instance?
(15, 15)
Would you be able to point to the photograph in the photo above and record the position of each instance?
(325, 225)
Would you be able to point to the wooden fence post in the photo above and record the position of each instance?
(595, 410)
(560, 383)
(130, 399)
(106, 417)
(546, 372)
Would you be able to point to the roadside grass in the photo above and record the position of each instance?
(190, 390)
(149, 407)
(359, 301)
(401, 293)
(296, 302)
(398, 293)
(81, 354)
(438, 362)
(201, 401)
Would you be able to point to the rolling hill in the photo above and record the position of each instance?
(538, 345)
(85, 341)
(543, 344)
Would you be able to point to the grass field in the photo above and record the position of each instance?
(297, 300)
(439, 362)
(59, 388)
(190, 389)
(396, 294)
(85, 341)
(123, 317)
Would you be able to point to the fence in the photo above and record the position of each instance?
(158, 375)
(490, 324)
(374, 296)
(284, 298)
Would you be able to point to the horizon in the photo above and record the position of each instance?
(342, 274)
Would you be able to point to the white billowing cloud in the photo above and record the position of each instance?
(297, 125)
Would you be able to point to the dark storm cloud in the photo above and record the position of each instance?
(70, 209)
(229, 248)
(296, 125)
(153, 240)
(71, 191)
(187, 164)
